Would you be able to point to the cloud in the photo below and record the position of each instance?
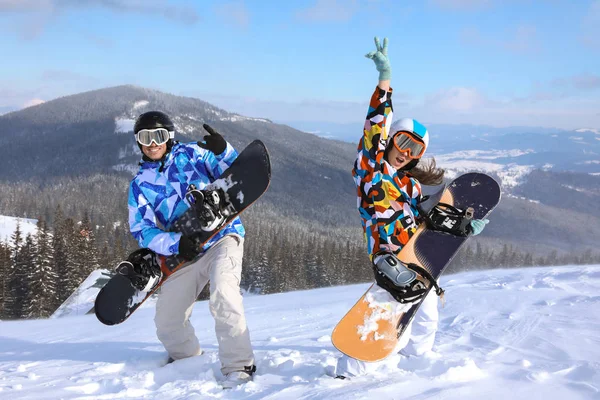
(234, 12)
(456, 99)
(522, 39)
(26, 5)
(462, 4)
(590, 35)
(40, 12)
(329, 11)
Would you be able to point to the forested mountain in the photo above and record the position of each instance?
(73, 157)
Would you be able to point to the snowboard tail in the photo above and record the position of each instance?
(244, 182)
(371, 330)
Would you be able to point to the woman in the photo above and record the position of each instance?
(388, 179)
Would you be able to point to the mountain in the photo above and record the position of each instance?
(530, 147)
(503, 334)
(83, 144)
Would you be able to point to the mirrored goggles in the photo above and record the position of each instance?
(145, 137)
(405, 142)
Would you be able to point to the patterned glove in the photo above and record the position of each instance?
(380, 57)
(213, 141)
(477, 225)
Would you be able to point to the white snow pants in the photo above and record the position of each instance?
(418, 338)
(222, 266)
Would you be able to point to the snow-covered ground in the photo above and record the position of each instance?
(504, 334)
(510, 174)
(9, 224)
(82, 299)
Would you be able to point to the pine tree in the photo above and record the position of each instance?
(59, 263)
(25, 276)
(13, 304)
(43, 287)
(5, 265)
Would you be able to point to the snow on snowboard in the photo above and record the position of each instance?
(372, 328)
(239, 186)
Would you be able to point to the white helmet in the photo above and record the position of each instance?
(409, 125)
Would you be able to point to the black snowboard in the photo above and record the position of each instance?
(434, 249)
(244, 182)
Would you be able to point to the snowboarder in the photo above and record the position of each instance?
(388, 181)
(157, 197)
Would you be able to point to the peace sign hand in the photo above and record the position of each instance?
(380, 58)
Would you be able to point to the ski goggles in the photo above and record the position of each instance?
(405, 142)
(145, 137)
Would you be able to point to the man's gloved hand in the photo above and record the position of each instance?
(477, 225)
(380, 57)
(213, 141)
(188, 250)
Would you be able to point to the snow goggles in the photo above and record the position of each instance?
(406, 142)
(145, 137)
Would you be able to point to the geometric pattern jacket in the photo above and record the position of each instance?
(387, 198)
(157, 194)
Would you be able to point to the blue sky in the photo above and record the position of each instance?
(494, 62)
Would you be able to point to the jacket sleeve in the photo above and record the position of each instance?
(368, 167)
(375, 133)
(143, 225)
(214, 164)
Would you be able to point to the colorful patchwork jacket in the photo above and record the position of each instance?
(157, 194)
(387, 199)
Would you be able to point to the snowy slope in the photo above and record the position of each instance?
(82, 300)
(9, 224)
(504, 334)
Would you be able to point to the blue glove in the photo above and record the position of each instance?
(478, 224)
(382, 63)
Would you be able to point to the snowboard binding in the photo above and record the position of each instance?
(211, 206)
(446, 218)
(407, 283)
(142, 269)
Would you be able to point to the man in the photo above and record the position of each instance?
(156, 200)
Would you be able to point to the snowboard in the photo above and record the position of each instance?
(244, 182)
(372, 328)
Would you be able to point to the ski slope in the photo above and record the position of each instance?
(504, 334)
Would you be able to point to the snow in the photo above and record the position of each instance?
(596, 131)
(460, 162)
(504, 334)
(124, 125)
(140, 104)
(82, 299)
(8, 225)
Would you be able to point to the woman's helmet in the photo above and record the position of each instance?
(409, 135)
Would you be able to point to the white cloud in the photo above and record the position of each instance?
(458, 99)
(40, 12)
(329, 11)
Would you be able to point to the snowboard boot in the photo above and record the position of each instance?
(407, 283)
(236, 378)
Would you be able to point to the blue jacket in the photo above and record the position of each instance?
(157, 198)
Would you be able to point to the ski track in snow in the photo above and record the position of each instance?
(515, 333)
